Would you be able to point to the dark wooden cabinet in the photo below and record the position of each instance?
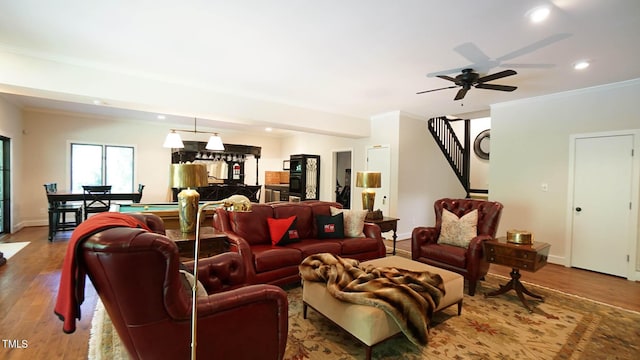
(304, 177)
(233, 156)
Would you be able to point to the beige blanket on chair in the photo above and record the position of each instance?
(409, 297)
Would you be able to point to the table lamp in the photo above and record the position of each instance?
(369, 180)
(186, 177)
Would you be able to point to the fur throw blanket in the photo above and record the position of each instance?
(409, 297)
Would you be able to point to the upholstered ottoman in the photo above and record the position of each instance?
(368, 324)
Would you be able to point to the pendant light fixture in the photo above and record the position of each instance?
(173, 139)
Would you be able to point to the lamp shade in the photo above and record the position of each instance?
(188, 175)
(173, 141)
(368, 179)
(215, 143)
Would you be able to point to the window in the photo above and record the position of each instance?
(94, 164)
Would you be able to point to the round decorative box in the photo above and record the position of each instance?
(519, 237)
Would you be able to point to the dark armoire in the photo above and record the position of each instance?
(304, 177)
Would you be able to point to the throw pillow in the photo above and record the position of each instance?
(353, 221)
(330, 227)
(283, 231)
(458, 231)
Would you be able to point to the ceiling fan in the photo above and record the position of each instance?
(469, 78)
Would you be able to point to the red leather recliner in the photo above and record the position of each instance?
(136, 274)
(468, 262)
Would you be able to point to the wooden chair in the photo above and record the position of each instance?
(96, 199)
(58, 213)
(140, 188)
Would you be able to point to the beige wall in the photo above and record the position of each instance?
(47, 135)
(530, 146)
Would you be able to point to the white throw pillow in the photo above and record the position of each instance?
(353, 221)
(458, 231)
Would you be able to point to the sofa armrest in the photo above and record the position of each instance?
(372, 230)
(422, 235)
(220, 272)
(239, 245)
(477, 266)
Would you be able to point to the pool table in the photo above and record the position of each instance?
(168, 212)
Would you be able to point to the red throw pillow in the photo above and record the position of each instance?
(283, 231)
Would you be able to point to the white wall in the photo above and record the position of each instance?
(424, 176)
(479, 168)
(11, 127)
(47, 135)
(530, 146)
(325, 146)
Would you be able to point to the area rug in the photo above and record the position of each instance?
(561, 327)
(10, 249)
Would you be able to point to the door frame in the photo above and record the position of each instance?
(334, 173)
(386, 178)
(633, 269)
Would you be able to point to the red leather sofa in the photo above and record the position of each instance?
(136, 274)
(265, 263)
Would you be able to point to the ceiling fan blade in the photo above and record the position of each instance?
(496, 87)
(497, 75)
(472, 53)
(426, 91)
(533, 47)
(449, 71)
(461, 93)
(446, 77)
(528, 66)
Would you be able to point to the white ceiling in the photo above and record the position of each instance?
(358, 58)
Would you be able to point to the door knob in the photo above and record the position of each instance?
(578, 209)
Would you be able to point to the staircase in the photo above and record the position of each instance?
(457, 154)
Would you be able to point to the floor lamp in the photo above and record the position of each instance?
(233, 203)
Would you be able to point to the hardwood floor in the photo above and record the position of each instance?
(28, 289)
(607, 289)
(29, 286)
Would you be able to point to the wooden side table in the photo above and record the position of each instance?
(212, 242)
(388, 224)
(520, 257)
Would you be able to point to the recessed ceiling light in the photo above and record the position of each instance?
(161, 117)
(268, 129)
(97, 102)
(581, 65)
(539, 14)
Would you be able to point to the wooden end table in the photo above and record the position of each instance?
(520, 257)
(212, 242)
(387, 224)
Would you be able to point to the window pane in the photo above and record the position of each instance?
(120, 168)
(86, 166)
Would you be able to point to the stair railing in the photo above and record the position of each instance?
(458, 155)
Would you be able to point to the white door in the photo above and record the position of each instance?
(603, 168)
(379, 159)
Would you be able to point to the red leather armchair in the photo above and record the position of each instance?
(136, 274)
(468, 262)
